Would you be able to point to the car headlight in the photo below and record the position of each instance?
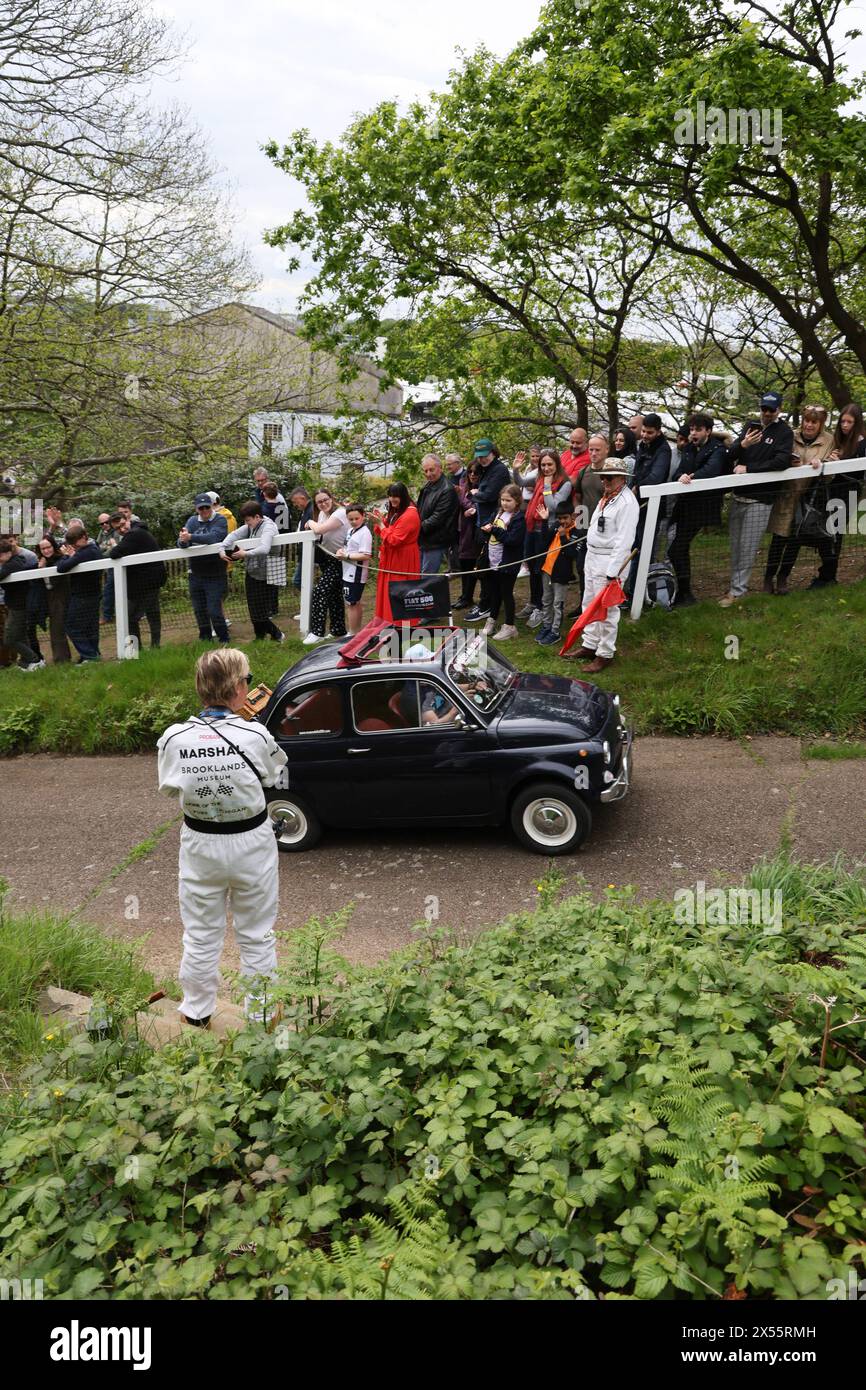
(605, 748)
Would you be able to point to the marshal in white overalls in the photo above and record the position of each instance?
(227, 846)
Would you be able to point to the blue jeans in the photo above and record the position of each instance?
(207, 593)
(108, 598)
(82, 625)
(431, 560)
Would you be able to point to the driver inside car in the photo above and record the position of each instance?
(476, 687)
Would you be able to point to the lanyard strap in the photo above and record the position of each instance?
(240, 752)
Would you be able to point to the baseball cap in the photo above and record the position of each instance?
(214, 497)
(482, 448)
(203, 499)
(771, 400)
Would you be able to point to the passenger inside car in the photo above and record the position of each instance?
(403, 704)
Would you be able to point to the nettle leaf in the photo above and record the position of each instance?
(85, 1282)
(650, 1282)
(820, 1120)
(719, 1059)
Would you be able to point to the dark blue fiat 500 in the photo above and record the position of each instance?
(437, 728)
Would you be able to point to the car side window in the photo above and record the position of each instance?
(316, 711)
(380, 705)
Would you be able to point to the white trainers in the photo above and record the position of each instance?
(311, 638)
(523, 572)
(536, 618)
(505, 633)
(34, 666)
(488, 627)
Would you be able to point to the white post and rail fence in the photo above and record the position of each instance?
(652, 496)
(127, 647)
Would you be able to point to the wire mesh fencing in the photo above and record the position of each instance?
(152, 600)
(738, 534)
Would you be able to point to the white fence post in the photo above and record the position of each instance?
(646, 554)
(121, 613)
(308, 544)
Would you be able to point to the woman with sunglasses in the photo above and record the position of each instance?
(218, 764)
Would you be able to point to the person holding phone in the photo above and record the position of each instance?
(398, 529)
(763, 447)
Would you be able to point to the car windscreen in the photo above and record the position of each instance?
(479, 673)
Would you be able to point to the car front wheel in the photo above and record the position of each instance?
(296, 825)
(550, 819)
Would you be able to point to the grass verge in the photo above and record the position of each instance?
(794, 666)
(834, 752)
(40, 949)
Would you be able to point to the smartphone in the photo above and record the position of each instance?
(752, 425)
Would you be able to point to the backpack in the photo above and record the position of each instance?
(661, 585)
(812, 517)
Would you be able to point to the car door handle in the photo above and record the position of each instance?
(359, 750)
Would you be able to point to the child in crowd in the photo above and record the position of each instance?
(506, 534)
(551, 486)
(355, 554)
(557, 572)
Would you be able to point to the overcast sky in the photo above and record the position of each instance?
(259, 69)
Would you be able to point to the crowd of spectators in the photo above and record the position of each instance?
(545, 518)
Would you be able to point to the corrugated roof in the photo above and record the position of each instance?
(294, 325)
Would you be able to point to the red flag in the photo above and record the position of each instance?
(610, 596)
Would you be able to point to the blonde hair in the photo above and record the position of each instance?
(218, 675)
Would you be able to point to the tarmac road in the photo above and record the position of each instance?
(698, 808)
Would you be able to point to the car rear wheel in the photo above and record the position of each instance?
(550, 819)
(296, 826)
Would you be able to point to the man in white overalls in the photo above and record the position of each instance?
(608, 544)
(218, 764)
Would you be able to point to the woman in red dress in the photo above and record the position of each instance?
(398, 545)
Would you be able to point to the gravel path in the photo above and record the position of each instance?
(698, 808)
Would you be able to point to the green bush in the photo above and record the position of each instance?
(18, 726)
(592, 1100)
